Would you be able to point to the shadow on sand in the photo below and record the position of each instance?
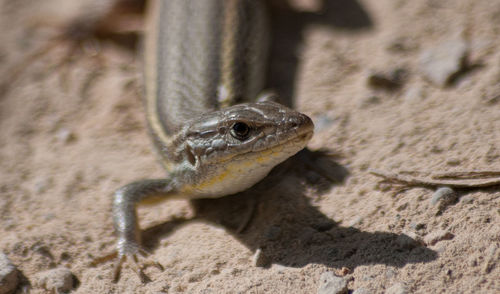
(286, 226)
(290, 230)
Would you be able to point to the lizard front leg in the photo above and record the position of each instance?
(126, 223)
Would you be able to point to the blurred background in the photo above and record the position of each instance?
(390, 84)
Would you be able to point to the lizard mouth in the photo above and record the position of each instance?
(294, 139)
(272, 130)
(303, 127)
(306, 136)
(297, 131)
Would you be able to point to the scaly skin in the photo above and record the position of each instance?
(201, 56)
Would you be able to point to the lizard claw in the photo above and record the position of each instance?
(139, 261)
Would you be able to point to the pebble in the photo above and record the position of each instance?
(323, 122)
(329, 283)
(402, 45)
(344, 271)
(414, 95)
(472, 261)
(417, 226)
(58, 280)
(443, 62)
(273, 233)
(42, 184)
(467, 199)
(492, 155)
(436, 236)
(65, 135)
(492, 258)
(444, 196)
(260, 259)
(323, 226)
(390, 273)
(388, 80)
(361, 291)
(356, 221)
(9, 276)
(491, 99)
(408, 240)
(369, 101)
(397, 288)
(453, 161)
(306, 235)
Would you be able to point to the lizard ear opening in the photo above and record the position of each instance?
(189, 155)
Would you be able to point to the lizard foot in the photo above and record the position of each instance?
(139, 261)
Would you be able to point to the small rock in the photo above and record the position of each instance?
(388, 80)
(436, 149)
(492, 258)
(398, 288)
(402, 206)
(49, 216)
(42, 184)
(356, 221)
(453, 161)
(445, 196)
(329, 283)
(361, 291)
(414, 95)
(312, 177)
(260, 259)
(323, 122)
(472, 261)
(369, 278)
(323, 226)
(369, 101)
(442, 63)
(390, 273)
(58, 280)
(437, 236)
(196, 277)
(402, 45)
(417, 226)
(491, 100)
(467, 199)
(306, 235)
(408, 240)
(9, 276)
(344, 271)
(273, 233)
(65, 135)
(492, 155)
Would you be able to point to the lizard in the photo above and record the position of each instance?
(204, 62)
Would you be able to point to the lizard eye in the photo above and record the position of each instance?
(240, 130)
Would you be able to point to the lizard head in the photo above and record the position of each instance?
(229, 150)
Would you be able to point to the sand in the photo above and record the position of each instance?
(73, 132)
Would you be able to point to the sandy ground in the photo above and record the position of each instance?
(72, 133)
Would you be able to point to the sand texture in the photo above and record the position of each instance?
(391, 85)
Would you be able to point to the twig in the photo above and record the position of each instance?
(472, 179)
(467, 175)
